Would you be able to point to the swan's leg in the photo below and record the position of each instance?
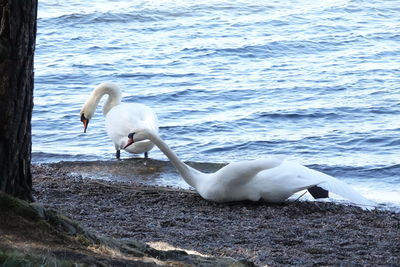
(118, 154)
(146, 155)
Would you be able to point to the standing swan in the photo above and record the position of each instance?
(271, 179)
(121, 119)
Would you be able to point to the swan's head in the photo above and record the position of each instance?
(137, 136)
(85, 122)
(89, 107)
(87, 112)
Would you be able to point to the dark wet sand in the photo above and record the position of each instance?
(295, 233)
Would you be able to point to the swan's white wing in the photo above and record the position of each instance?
(342, 189)
(240, 173)
(129, 117)
(141, 117)
(132, 116)
(118, 123)
(332, 184)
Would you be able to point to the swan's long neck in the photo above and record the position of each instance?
(114, 97)
(188, 173)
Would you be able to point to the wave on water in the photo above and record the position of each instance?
(79, 19)
(42, 157)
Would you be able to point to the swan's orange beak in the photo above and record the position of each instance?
(85, 125)
(130, 142)
(85, 122)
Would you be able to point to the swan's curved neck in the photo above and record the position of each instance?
(114, 97)
(188, 173)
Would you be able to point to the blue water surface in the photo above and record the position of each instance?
(315, 81)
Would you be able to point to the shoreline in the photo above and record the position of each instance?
(294, 233)
(161, 173)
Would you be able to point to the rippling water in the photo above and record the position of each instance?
(317, 81)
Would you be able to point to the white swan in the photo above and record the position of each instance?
(121, 119)
(271, 179)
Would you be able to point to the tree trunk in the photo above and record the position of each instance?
(17, 45)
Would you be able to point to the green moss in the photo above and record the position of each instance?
(14, 258)
(9, 204)
(82, 240)
(43, 225)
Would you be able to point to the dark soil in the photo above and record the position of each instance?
(35, 236)
(295, 233)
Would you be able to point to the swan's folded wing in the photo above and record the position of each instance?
(341, 188)
(240, 173)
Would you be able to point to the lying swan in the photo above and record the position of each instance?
(271, 179)
(121, 119)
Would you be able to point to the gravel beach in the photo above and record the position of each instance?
(298, 233)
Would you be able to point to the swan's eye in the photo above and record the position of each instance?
(130, 136)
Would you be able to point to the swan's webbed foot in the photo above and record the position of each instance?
(118, 154)
(318, 192)
(146, 155)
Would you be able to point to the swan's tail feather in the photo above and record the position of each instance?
(312, 179)
(340, 188)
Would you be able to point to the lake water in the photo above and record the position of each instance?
(316, 81)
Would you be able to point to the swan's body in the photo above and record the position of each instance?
(272, 179)
(121, 118)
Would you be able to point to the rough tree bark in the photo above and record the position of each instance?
(17, 45)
